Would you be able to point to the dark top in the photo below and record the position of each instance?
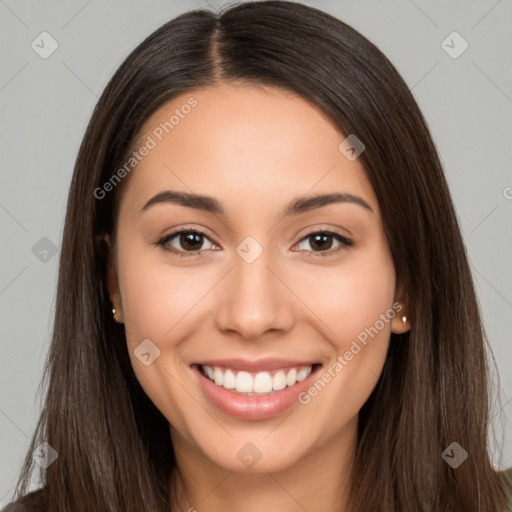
(35, 501)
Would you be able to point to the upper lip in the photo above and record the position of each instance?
(261, 365)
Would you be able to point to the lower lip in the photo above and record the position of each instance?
(253, 407)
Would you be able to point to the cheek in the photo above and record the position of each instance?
(156, 296)
(158, 304)
(351, 297)
(357, 306)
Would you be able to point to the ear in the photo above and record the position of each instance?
(402, 311)
(112, 281)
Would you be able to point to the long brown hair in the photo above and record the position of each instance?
(114, 447)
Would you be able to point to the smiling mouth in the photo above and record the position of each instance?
(256, 383)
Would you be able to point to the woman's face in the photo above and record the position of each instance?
(277, 284)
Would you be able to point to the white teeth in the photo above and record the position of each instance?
(244, 382)
(229, 381)
(279, 381)
(291, 378)
(218, 376)
(303, 373)
(259, 383)
(262, 383)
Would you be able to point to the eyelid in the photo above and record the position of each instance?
(187, 228)
(325, 228)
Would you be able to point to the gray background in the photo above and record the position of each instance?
(46, 104)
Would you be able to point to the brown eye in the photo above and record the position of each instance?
(184, 241)
(322, 241)
(190, 241)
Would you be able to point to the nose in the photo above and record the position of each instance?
(254, 300)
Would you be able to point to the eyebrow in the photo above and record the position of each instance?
(294, 207)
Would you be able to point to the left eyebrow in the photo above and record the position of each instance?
(212, 205)
(303, 204)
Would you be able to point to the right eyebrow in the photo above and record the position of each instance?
(199, 202)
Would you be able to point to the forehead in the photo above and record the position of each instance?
(258, 145)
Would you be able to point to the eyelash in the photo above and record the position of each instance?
(345, 242)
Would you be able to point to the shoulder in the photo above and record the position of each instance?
(508, 479)
(36, 500)
(32, 502)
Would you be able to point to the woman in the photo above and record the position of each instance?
(264, 301)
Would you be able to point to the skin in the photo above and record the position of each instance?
(254, 149)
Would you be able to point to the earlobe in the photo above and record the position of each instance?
(401, 322)
(112, 283)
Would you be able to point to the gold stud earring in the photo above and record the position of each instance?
(404, 320)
